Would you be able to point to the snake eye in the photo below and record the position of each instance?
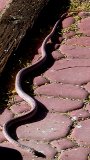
(39, 154)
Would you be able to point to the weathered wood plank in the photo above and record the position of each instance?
(14, 22)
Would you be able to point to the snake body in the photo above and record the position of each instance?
(25, 96)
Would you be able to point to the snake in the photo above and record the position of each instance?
(20, 91)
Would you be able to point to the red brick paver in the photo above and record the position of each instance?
(60, 130)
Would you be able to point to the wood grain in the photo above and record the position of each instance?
(14, 23)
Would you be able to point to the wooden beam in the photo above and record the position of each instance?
(16, 17)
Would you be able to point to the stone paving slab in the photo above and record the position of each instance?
(20, 107)
(84, 14)
(75, 154)
(77, 134)
(5, 116)
(38, 81)
(75, 51)
(84, 26)
(79, 41)
(73, 75)
(47, 129)
(62, 90)
(57, 55)
(79, 114)
(67, 22)
(69, 63)
(46, 149)
(63, 144)
(59, 104)
(60, 129)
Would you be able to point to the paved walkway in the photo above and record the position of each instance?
(61, 128)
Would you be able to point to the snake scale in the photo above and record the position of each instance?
(25, 96)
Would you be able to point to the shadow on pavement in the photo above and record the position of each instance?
(9, 154)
